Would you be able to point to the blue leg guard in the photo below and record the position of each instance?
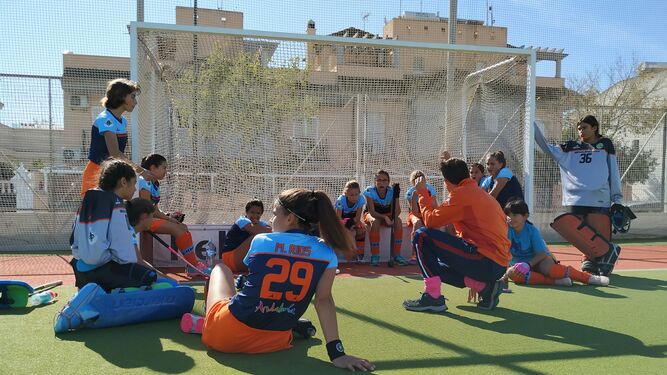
(92, 307)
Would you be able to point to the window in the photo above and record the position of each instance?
(306, 128)
(78, 101)
(418, 64)
(375, 128)
(426, 28)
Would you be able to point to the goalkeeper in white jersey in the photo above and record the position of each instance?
(591, 184)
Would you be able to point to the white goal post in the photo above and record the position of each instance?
(242, 114)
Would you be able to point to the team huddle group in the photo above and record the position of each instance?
(478, 238)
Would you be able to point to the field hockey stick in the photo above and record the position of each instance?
(45, 287)
(181, 257)
(394, 201)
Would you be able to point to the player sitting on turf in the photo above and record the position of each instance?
(286, 269)
(379, 198)
(476, 256)
(102, 241)
(531, 261)
(237, 242)
(414, 216)
(349, 207)
(164, 223)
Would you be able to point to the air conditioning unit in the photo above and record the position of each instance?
(71, 154)
(78, 101)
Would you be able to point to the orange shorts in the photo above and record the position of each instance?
(224, 333)
(228, 260)
(91, 177)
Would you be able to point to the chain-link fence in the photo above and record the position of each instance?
(63, 55)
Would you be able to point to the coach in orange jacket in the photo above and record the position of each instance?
(476, 257)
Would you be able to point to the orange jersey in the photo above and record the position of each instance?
(476, 216)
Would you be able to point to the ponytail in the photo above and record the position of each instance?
(315, 207)
(331, 229)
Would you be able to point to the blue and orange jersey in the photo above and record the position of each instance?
(349, 211)
(236, 234)
(382, 204)
(284, 270)
(152, 187)
(106, 122)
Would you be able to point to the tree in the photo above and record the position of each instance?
(632, 103)
(627, 110)
(237, 92)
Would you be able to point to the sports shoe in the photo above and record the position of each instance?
(360, 258)
(590, 267)
(426, 303)
(375, 260)
(191, 323)
(607, 262)
(201, 266)
(565, 281)
(598, 280)
(399, 260)
(490, 295)
(413, 260)
(304, 328)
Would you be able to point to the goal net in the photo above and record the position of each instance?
(241, 114)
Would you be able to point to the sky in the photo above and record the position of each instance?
(35, 33)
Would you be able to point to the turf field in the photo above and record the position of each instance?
(619, 329)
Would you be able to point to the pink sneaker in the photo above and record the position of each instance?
(191, 323)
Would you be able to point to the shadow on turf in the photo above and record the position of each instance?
(293, 361)
(589, 290)
(137, 346)
(603, 342)
(596, 342)
(637, 283)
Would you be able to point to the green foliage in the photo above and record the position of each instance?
(37, 164)
(236, 92)
(642, 168)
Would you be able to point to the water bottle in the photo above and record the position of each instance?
(43, 298)
(211, 252)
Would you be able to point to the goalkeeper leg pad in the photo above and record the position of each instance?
(583, 236)
(92, 307)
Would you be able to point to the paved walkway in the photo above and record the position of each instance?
(40, 269)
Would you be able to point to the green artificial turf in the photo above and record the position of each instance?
(535, 330)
